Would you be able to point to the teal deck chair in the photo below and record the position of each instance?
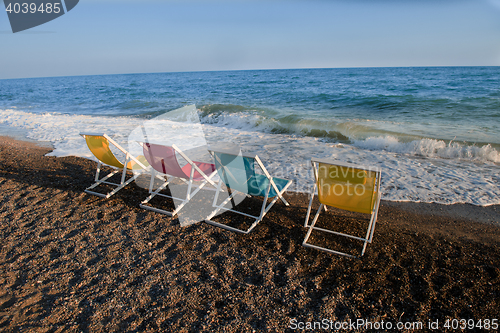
(237, 172)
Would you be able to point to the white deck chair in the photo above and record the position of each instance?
(237, 172)
(164, 162)
(99, 145)
(348, 187)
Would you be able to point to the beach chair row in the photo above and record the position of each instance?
(337, 184)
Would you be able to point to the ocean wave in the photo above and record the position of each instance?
(305, 124)
(270, 121)
(217, 109)
(360, 133)
(432, 148)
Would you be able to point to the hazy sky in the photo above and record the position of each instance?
(109, 37)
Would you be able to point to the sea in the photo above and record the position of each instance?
(434, 131)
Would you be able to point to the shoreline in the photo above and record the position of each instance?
(413, 172)
(462, 211)
(19, 134)
(74, 262)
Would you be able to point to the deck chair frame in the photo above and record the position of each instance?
(264, 209)
(373, 218)
(123, 169)
(207, 179)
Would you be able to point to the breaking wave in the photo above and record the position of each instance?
(359, 133)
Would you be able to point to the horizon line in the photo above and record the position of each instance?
(245, 70)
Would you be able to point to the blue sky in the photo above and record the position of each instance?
(112, 37)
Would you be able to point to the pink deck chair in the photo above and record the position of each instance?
(163, 160)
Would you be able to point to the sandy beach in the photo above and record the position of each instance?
(72, 262)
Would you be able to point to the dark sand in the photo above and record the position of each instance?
(72, 262)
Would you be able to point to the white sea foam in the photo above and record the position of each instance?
(63, 130)
(432, 148)
(363, 133)
(422, 171)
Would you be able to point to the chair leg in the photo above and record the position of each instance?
(131, 179)
(153, 194)
(202, 185)
(370, 231)
(284, 201)
(117, 187)
(103, 180)
(189, 195)
(366, 240)
(263, 211)
(219, 207)
(98, 171)
(152, 180)
(224, 226)
(310, 206)
(124, 172)
(280, 193)
(311, 228)
(364, 248)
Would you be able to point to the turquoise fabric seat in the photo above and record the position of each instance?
(258, 185)
(237, 173)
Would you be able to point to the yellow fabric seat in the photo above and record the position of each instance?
(99, 145)
(346, 188)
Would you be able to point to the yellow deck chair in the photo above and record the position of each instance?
(348, 187)
(99, 146)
